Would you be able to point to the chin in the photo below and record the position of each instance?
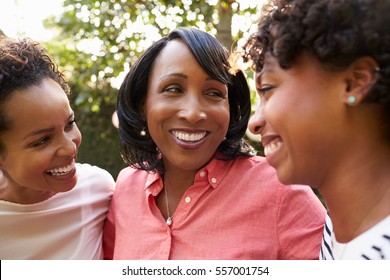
(285, 177)
(67, 186)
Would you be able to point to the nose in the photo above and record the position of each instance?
(257, 121)
(69, 144)
(193, 109)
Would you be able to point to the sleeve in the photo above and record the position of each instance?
(301, 218)
(101, 180)
(109, 233)
(107, 185)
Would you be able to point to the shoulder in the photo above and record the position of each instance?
(254, 176)
(375, 241)
(94, 175)
(131, 173)
(93, 171)
(257, 168)
(131, 176)
(252, 162)
(261, 169)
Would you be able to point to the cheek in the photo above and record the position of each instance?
(226, 119)
(152, 117)
(221, 116)
(27, 165)
(155, 106)
(273, 110)
(155, 117)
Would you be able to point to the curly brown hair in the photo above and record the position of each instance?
(335, 32)
(23, 63)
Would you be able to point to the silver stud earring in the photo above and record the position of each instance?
(143, 132)
(351, 100)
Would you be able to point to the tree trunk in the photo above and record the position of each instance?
(224, 27)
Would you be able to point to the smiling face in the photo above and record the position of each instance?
(301, 119)
(187, 111)
(42, 143)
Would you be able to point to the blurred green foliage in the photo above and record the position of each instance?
(98, 41)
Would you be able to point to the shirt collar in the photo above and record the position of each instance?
(213, 172)
(154, 183)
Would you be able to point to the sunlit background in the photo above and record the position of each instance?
(20, 18)
(96, 41)
(25, 17)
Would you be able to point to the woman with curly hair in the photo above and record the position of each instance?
(50, 206)
(322, 70)
(194, 188)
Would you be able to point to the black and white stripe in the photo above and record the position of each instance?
(374, 244)
(326, 246)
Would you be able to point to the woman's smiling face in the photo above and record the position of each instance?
(42, 143)
(300, 119)
(187, 111)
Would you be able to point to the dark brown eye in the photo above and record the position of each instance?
(176, 89)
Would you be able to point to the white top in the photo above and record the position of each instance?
(374, 244)
(68, 225)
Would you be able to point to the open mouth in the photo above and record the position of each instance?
(60, 171)
(189, 137)
(269, 148)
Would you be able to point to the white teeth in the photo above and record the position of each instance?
(189, 137)
(61, 170)
(271, 147)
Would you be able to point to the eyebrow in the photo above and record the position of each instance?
(39, 131)
(174, 75)
(180, 75)
(44, 130)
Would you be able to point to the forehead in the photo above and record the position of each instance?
(303, 63)
(269, 65)
(38, 103)
(176, 47)
(175, 56)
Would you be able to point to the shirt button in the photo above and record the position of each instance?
(202, 174)
(187, 199)
(213, 180)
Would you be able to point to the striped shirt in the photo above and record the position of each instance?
(374, 244)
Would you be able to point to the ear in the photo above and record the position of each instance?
(361, 75)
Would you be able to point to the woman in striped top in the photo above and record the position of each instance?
(322, 70)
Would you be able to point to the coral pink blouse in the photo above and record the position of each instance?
(234, 210)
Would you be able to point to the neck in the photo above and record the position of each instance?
(175, 184)
(358, 199)
(178, 182)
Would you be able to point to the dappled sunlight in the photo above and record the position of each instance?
(18, 20)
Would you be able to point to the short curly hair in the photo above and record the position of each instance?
(23, 63)
(140, 151)
(335, 32)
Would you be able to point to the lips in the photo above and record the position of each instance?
(61, 171)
